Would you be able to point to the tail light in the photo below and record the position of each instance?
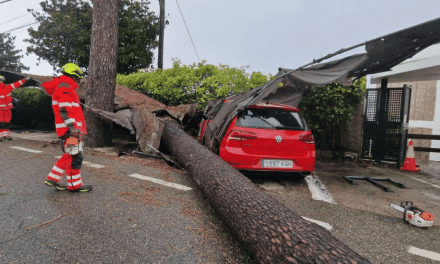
(308, 138)
(241, 135)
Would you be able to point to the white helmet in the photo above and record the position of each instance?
(2, 78)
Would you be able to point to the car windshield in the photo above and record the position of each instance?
(272, 119)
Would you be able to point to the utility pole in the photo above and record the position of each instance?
(161, 33)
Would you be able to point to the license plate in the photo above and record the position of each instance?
(276, 163)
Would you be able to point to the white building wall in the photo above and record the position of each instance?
(434, 125)
(430, 52)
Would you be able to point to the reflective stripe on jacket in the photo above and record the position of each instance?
(64, 96)
(5, 94)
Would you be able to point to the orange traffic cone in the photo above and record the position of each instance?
(410, 159)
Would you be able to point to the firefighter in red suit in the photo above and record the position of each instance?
(6, 105)
(69, 123)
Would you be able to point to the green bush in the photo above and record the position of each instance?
(329, 108)
(30, 97)
(38, 107)
(196, 83)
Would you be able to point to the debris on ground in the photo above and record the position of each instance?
(374, 181)
(45, 223)
(147, 196)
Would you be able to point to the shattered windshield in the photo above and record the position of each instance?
(272, 119)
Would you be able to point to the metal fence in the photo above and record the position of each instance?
(385, 138)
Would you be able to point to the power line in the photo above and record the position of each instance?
(14, 19)
(187, 29)
(22, 26)
(5, 1)
(19, 17)
(19, 31)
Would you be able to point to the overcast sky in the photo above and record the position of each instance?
(263, 35)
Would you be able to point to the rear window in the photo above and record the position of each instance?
(271, 119)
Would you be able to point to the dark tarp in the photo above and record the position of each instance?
(297, 83)
(381, 55)
(14, 77)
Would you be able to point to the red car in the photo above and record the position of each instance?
(268, 137)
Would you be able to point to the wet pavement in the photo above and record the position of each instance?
(361, 216)
(129, 220)
(122, 220)
(432, 168)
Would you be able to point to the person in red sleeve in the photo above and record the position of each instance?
(6, 105)
(70, 124)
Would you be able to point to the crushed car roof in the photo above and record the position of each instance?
(381, 55)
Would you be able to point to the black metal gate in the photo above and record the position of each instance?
(386, 124)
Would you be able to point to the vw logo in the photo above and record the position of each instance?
(278, 139)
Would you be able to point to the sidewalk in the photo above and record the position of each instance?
(433, 169)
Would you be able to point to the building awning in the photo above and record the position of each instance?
(425, 69)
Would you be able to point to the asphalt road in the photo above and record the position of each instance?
(123, 220)
(129, 220)
(361, 217)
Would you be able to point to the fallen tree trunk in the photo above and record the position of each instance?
(270, 230)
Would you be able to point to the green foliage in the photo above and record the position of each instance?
(9, 58)
(65, 30)
(196, 83)
(30, 97)
(138, 30)
(329, 108)
(37, 106)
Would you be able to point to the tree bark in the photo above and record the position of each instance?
(270, 230)
(101, 79)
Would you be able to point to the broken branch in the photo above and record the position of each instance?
(45, 223)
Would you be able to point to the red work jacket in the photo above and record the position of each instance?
(5, 94)
(63, 94)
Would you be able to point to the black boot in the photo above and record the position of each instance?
(84, 188)
(58, 186)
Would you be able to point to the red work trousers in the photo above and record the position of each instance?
(5, 115)
(71, 165)
(4, 128)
